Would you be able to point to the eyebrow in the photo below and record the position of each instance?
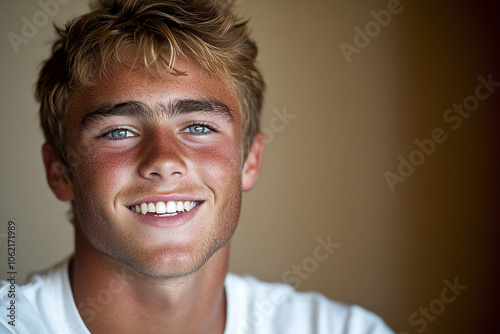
(140, 110)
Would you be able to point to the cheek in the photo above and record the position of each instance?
(102, 170)
(219, 163)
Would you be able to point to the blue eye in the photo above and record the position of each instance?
(120, 133)
(197, 129)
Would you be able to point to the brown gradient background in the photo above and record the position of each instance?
(323, 172)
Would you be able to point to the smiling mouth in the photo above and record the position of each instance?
(164, 209)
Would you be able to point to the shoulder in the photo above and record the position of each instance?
(259, 307)
(37, 306)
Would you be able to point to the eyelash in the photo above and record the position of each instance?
(107, 135)
(203, 124)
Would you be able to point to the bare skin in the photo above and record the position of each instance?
(154, 273)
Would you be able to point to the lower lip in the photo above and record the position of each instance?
(172, 221)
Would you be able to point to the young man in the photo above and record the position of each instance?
(150, 110)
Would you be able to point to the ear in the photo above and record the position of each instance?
(251, 168)
(57, 177)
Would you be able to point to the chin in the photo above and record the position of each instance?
(170, 263)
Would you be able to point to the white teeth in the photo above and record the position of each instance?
(144, 208)
(151, 207)
(160, 207)
(171, 207)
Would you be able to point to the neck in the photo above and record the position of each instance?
(114, 298)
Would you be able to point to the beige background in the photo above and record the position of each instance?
(323, 172)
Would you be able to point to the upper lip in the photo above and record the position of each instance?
(166, 198)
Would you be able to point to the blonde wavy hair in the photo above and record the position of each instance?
(90, 46)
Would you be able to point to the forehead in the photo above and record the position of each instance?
(162, 88)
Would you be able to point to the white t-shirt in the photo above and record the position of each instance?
(45, 305)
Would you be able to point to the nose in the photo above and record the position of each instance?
(163, 157)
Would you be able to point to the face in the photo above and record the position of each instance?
(157, 175)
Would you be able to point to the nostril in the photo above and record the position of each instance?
(162, 163)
